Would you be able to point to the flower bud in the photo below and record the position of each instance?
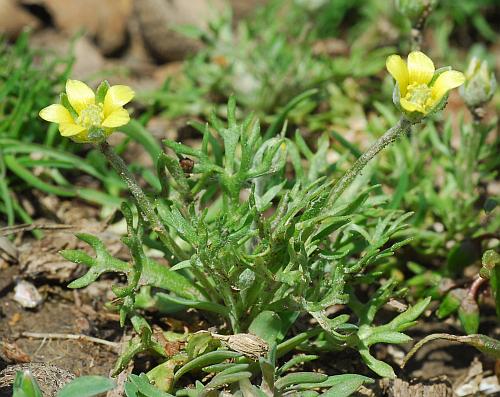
(414, 10)
(480, 84)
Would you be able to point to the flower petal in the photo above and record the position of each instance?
(420, 68)
(445, 82)
(116, 97)
(398, 69)
(117, 118)
(70, 129)
(80, 95)
(56, 114)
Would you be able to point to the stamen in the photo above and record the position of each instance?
(420, 95)
(91, 116)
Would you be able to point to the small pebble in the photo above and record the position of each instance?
(27, 295)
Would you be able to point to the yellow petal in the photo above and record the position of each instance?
(411, 106)
(56, 114)
(398, 69)
(80, 95)
(70, 129)
(445, 82)
(420, 68)
(116, 97)
(117, 118)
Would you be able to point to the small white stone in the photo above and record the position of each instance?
(27, 295)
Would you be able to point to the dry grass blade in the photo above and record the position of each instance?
(26, 227)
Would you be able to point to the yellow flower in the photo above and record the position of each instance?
(85, 117)
(421, 90)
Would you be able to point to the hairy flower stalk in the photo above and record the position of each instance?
(402, 127)
(142, 201)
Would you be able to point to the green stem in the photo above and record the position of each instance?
(229, 301)
(402, 127)
(209, 291)
(142, 201)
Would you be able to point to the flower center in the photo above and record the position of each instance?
(91, 116)
(419, 94)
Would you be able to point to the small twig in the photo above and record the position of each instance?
(43, 335)
(39, 348)
(26, 227)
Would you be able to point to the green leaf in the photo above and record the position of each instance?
(145, 388)
(468, 313)
(87, 386)
(164, 300)
(173, 218)
(278, 122)
(451, 302)
(387, 337)
(267, 368)
(162, 376)
(226, 379)
(401, 322)
(25, 385)
(77, 256)
(299, 377)
(299, 359)
(401, 188)
(201, 343)
(266, 325)
(377, 366)
(226, 368)
(345, 385)
(177, 173)
(340, 385)
(262, 202)
(250, 390)
(102, 263)
(204, 360)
